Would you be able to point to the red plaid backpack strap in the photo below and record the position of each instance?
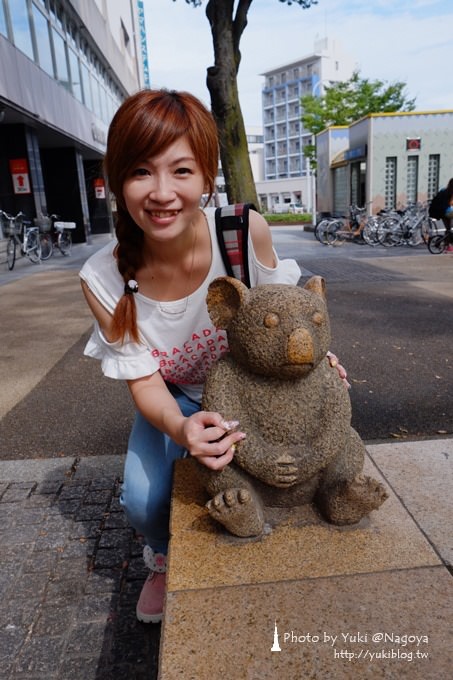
(232, 227)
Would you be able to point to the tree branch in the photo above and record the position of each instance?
(240, 22)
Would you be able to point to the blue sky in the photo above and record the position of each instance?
(393, 40)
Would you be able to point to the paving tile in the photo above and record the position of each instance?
(41, 654)
(229, 632)
(421, 474)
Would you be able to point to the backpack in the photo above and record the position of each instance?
(232, 229)
(438, 205)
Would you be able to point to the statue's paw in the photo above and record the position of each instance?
(348, 503)
(239, 511)
(368, 491)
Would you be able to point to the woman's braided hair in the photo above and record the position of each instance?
(145, 125)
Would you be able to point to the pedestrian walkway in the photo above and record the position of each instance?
(71, 568)
(71, 571)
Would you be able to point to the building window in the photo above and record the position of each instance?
(125, 34)
(87, 98)
(3, 28)
(255, 139)
(21, 28)
(412, 179)
(75, 75)
(41, 26)
(390, 182)
(56, 13)
(340, 187)
(61, 61)
(96, 97)
(355, 179)
(433, 175)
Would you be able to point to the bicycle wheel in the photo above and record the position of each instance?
(33, 246)
(437, 244)
(319, 231)
(65, 243)
(46, 246)
(389, 233)
(11, 252)
(370, 232)
(331, 230)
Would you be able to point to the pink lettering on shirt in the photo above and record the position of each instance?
(190, 362)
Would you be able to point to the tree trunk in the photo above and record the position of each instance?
(222, 85)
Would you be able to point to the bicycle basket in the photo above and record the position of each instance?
(43, 223)
(8, 228)
(11, 227)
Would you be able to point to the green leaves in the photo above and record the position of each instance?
(349, 100)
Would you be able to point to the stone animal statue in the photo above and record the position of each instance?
(294, 408)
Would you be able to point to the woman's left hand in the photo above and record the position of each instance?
(333, 360)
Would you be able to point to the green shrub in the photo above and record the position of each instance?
(287, 218)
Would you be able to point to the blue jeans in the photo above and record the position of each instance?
(148, 476)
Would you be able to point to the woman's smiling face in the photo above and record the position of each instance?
(162, 194)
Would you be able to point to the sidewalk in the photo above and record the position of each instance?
(71, 570)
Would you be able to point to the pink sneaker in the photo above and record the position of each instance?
(150, 604)
(449, 249)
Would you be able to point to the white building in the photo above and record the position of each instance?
(384, 160)
(64, 69)
(286, 176)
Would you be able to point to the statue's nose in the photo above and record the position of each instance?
(300, 347)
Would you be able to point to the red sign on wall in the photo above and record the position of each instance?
(99, 187)
(18, 168)
(413, 144)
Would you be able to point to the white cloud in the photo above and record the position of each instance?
(407, 40)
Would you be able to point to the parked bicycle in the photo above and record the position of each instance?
(54, 234)
(21, 236)
(404, 227)
(336, 231)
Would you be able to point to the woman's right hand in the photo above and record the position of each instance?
(210, 439)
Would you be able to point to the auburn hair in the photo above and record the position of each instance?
(449, 189)
(145, 125)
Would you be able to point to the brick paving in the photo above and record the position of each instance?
(70, 574)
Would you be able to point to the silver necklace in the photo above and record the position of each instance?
(179, 307)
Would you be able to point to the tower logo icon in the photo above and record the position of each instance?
(276, 646)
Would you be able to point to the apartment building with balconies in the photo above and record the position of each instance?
(286, 171)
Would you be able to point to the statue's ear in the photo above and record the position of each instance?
(317, 285)
(225, 296)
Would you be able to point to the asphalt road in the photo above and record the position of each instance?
(391, 315)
